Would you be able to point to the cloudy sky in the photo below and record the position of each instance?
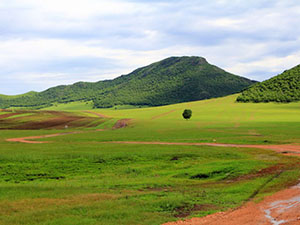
(44, 43)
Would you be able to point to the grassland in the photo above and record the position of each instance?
(80, 179)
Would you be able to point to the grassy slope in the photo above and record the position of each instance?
(79, 105)
(77, 180)
(221, 119)
(281, 88)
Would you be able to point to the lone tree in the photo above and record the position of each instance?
(187, 114)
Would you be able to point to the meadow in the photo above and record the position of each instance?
(84, 178)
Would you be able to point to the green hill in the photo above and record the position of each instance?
(173, 80)
(30, 93)
(284, 87)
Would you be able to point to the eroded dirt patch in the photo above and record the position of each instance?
(280, 208)
(45, 120)
(184, 212)
(7, 115)
(122, 123)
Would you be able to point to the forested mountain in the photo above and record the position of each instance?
(173, 80)
(284, 87)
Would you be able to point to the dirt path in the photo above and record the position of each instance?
(31, 138)
(285, 149)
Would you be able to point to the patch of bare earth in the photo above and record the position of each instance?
(280, 208)
(122, 123)
(8, 115)
(57, 123)
(32, 139)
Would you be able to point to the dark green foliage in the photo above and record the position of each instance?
(281, 88)
(173, 80)
(187, 114)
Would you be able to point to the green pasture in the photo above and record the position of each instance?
(79, 105)
(221, 120)
(81, 179)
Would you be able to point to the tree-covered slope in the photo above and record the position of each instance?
(284, 87)
(173, 80)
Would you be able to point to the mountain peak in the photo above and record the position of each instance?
(193, 60)
(169, 81)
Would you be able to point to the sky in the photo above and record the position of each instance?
(44, 43)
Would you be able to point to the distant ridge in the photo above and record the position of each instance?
(172, 80)
(284, 87)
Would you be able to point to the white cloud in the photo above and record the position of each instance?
(51, 42)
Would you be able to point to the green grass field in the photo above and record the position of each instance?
(79, 179)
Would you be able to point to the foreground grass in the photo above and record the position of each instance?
(92, 183)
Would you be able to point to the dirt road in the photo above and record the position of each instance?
(30, 139)
(285, 149)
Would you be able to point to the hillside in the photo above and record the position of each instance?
(30, 93)
(173, 80)
(284, 87)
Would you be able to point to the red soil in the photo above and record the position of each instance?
(8, 115)
(44, 120)
(286, 149)
(280, 208)
(30, 139)
(122, 123)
